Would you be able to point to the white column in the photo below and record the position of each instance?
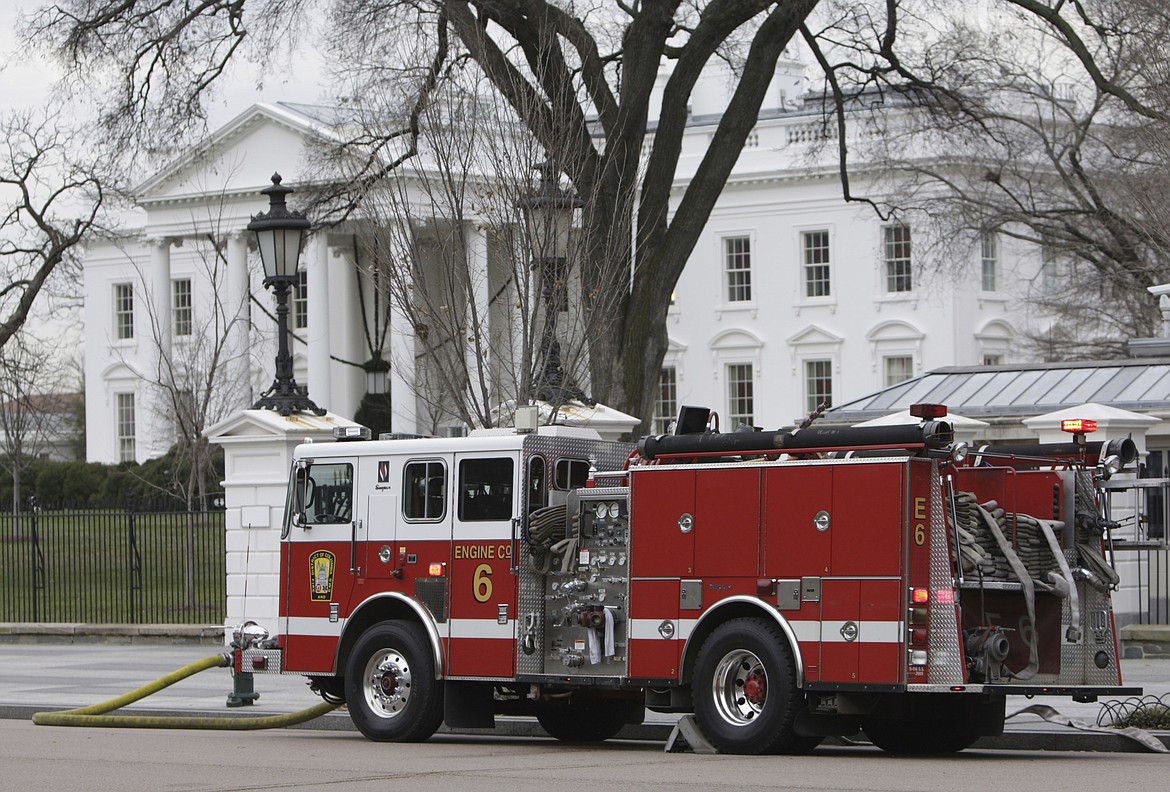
(155, 415)
(348, 343)
(236, 310)
(159, 291)
(317, 333)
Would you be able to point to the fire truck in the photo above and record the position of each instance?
(778, 586)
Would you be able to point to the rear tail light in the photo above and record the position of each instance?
(919, 632)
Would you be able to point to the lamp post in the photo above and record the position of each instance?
(279, 234)
(376, 410)
(550, 215)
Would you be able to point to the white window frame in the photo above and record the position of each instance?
(734, 347)
(989, 262)
(124, 311)
(737, 417)
(726, 271)
(666, 407)
(300, 301)
(803, 236)
(812, 342)
(811, 401)
(892, 263)
(182, 308)
(125, 427)
(894, 338)
(887, 360)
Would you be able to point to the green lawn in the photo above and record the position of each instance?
(88, 562)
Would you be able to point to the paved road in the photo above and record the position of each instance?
(63, 760)
(36, 677)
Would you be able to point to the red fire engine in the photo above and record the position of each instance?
(781, 586)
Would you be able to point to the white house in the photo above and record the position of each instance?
(791, 297)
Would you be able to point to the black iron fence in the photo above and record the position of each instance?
(1152, 569)
(133, 564)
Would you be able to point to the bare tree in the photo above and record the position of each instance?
(455, 240)
(37, 412)
(1015, 126)
(50, 202)
(582, 80)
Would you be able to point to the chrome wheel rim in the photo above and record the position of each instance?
(387, 683)
(739, 687)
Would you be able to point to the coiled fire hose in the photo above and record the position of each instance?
(94, 715)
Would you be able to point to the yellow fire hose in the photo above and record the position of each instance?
(94, 715)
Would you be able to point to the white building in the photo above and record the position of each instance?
(791, 297)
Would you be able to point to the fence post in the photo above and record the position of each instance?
(135, 563)
(37, 558)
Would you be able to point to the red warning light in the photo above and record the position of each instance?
(920, 596)
(1078, 425)
(928, 411)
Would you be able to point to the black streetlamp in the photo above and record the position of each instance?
(550, 216)
(279, 234)
(376, 410)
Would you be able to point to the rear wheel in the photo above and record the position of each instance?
(584, 719)
(390, 684)
(744, 690)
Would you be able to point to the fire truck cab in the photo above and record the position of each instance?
(781, 586)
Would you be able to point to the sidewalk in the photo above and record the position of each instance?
(59, 675)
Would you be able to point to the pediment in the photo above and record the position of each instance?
(736, 338)
(239, 157)
(814, 334)
(895, 330)
(996, 330)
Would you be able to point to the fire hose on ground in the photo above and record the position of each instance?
(95, 714)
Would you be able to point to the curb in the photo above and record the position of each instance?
(65, 633)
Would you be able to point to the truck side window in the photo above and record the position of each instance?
(485, 489)
(424, 490)
(329, 493)
(537, 496)
(571, 474)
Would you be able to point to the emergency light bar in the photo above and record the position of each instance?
(352, 432)
(1078, 425)
(929, 412)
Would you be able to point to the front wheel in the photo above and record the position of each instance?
(744, 689)
(391, 686)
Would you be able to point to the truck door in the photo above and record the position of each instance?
(798, 544)
(320, 559)
(861, 602)
(483, 589)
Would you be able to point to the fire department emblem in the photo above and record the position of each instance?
(321, 566)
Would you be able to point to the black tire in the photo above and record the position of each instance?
(926, 738)
(744, 690)
(583, 719)
(390, 684)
